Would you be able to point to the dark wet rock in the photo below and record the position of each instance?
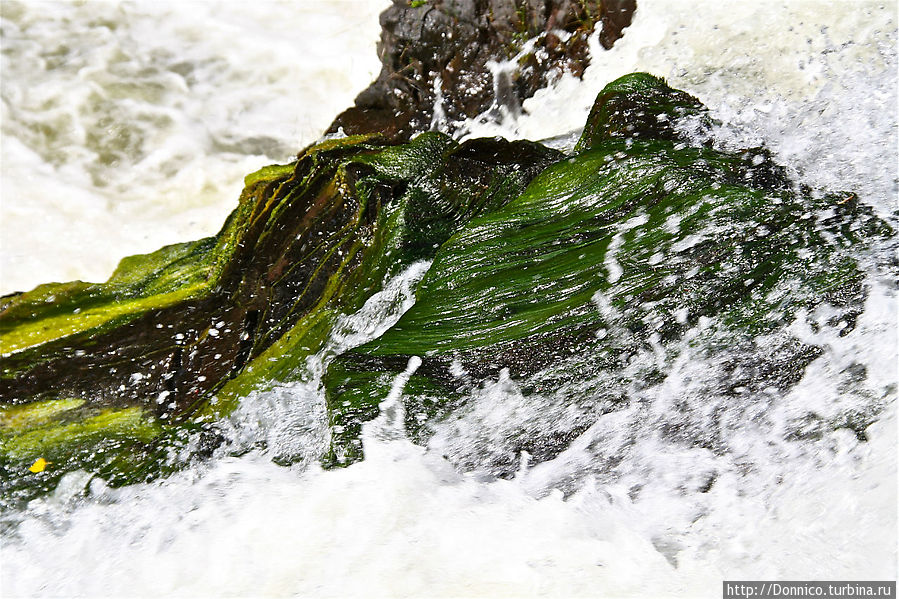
(616, 251)
(446, 49)
(135, 361)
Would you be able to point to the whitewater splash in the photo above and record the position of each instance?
(635, 506)
(128, 126)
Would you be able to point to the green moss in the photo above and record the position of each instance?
(443, 184)
(637, 234)
(56, 437)
(18, 418)
(269, 173)
(69, 435)
(229, 314)
(535, 256)
(637, 106)
(112, 314)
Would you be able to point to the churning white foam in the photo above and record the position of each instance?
(128, 126)
(405, 522)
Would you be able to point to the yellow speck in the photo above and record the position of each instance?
(39, 465)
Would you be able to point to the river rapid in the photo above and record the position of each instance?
(128, 126)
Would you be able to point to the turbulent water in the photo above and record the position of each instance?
(129, 126)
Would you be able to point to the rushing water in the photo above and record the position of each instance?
(129, 126)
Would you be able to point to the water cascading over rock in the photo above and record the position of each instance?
(549, 267)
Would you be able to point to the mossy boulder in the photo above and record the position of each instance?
(619, 248)
(553, 267)
(225, 315)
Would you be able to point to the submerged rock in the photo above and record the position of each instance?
(546, 267)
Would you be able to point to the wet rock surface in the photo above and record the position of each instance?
(620, 250)
(548, 268)
(444, 53)
(176, 338)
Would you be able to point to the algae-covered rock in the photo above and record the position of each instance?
(619, 248)
(223, 315)
(550, 267)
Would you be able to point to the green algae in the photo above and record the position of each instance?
(180, 335)
(538, 259)
(29, 416)
(66, 435)
(441, 185)
(54, 437)
(638, 234)
(637, 106)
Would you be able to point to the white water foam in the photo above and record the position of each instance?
(405, 522)
(632, 508)
(128, 126)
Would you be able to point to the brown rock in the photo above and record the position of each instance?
(446, 48)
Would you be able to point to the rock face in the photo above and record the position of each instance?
(446, 50)
(552, 267)
(188, 317)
